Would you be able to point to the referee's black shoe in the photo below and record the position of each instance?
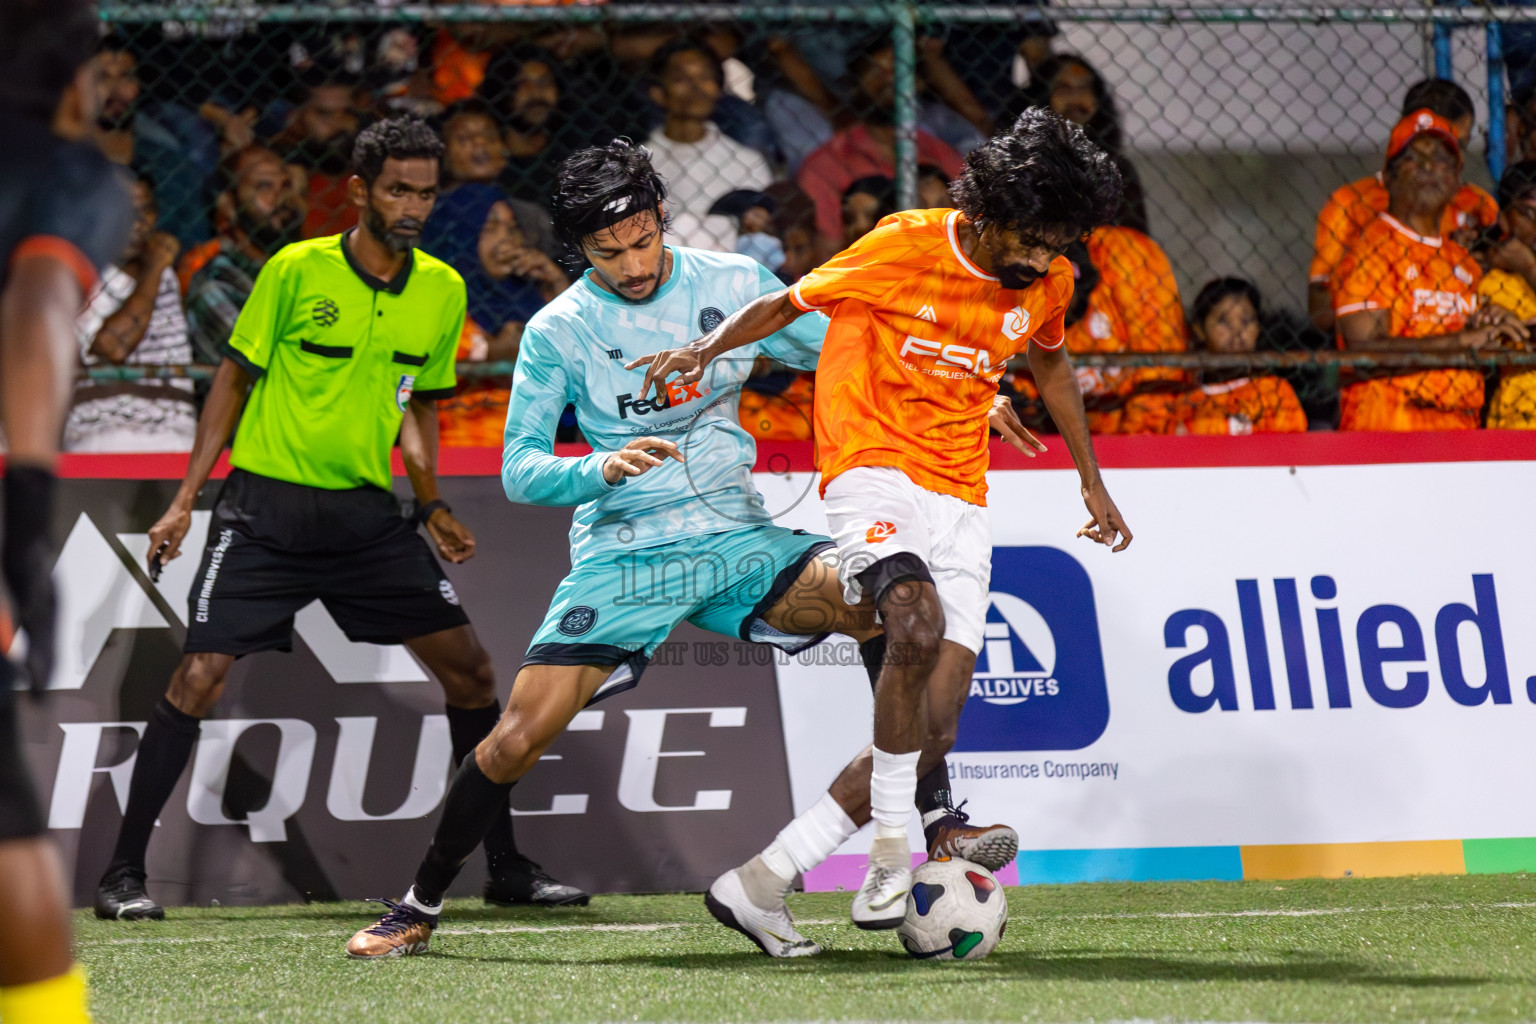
(121, 897)
(524, 883)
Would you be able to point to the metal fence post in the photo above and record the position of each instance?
(904, 40)
(1442, 46)
(1496, 100)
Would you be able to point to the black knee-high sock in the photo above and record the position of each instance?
(467, 727)
(933, 788)
(163, 755)
(468, 811)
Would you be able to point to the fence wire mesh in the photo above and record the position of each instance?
(782, 133)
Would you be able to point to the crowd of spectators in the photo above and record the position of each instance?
(779, 146)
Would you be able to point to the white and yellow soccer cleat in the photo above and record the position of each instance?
(773, 929)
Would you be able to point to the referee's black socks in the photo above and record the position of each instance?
(163, 755)
(932, 789)
(466, 728)
(468, 811)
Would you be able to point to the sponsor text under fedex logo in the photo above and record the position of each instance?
(1395, 660)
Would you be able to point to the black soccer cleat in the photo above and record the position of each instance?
(524, 883)
(121, 897)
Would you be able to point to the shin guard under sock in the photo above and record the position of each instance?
(163, 755)
(468, 810)
(467, 727)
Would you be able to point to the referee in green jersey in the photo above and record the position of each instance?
(345, 343)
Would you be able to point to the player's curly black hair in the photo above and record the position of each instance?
(1042, 173)
(399, 138)
(43, 43)
(596, 183)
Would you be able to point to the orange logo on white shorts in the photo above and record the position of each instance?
(879, 532)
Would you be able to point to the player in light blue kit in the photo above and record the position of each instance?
(669, 527)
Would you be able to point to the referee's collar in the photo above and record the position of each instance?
(394, 285)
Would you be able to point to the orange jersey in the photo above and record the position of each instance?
(919, 338)
(785, 416)
(1429, 287)
(476, 415)
(1352, 208)
(1249, 405)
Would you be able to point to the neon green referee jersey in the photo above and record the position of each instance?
(337, 354)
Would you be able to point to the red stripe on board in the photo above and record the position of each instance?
(1323, 448)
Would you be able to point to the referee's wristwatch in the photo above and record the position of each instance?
(424, 512)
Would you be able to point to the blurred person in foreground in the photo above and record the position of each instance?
(1226, 319)
(1403, 286)
(134, 317)
(261, 209)
(1353, 207)
(507, 280)
(64, 213)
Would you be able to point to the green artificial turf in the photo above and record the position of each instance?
(1444, 948)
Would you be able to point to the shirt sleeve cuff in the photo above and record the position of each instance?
(433, 395)
(595, 469)
(799, 300)
(244, 361)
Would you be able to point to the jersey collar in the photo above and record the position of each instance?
(394, 285)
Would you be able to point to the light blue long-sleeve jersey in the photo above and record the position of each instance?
(574, 350)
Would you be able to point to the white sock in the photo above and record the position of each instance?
(892, 788)
(809, 839)
(417, 904)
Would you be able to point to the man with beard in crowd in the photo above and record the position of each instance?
(318, 137)
(262, 208)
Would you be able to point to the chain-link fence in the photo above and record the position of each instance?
(787, 132)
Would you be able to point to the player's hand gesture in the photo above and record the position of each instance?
(639, 455)
(1006, 422)
(165, 538)
(687, 362)
(1107, 522)
(453, 539)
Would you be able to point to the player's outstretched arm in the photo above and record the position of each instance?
(418, 450)
(765, 315)
(220, 413)
(1064, 400)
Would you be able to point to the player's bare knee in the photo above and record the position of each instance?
(472, 685)
(506, 754)
(197, 684)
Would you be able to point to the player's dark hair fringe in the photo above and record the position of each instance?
(591, 179)
(1042, 173)
(43, 43)
(399, 138)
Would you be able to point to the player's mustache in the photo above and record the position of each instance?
(407, 225)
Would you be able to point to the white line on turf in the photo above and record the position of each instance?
(534, 929)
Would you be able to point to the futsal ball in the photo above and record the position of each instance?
(957, 911)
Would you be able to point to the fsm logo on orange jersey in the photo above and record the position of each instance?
(882, 530)
(963, 356)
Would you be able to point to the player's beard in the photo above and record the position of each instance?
(1017, 278)
(380, 229)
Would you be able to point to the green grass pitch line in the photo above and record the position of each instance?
(1453, 948)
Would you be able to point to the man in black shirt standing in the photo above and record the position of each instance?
(64, 214)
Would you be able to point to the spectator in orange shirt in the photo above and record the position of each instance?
(1354, 206)
(318, 137)
(1403, 287)
(1225, 319)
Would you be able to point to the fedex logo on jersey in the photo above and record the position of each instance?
(962, 357)
(676, 393)
(1039, 680)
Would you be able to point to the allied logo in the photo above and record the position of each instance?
(1039, 680)
(927, 313)
(1015, 323)
(403, 390)
(325, 312)
(710, 318)
(449, 594)
(577, 621)
(880, 532)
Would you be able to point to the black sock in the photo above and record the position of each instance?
(933, 795)
(163, 755)
(872, 653)
(467, 727)
(468, 811)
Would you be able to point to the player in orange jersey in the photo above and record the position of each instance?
(925, 312)
(1403, 287)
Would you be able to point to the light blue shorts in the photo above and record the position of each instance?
(617, 609)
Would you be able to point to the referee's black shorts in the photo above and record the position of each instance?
(20, 815)
(273, 547)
